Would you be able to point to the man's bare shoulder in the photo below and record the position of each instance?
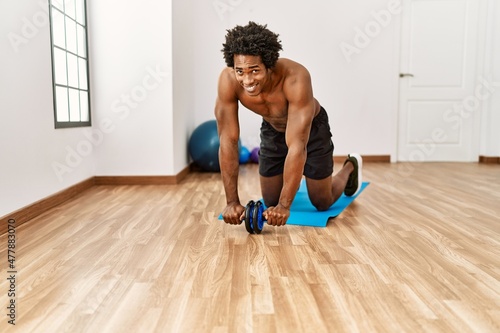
(227, 76)
(227, 86)
(290, 68)
(296, 78)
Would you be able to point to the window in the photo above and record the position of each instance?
(68, 27)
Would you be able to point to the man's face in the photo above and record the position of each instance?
(250, 72)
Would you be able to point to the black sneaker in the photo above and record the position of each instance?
(355, 178)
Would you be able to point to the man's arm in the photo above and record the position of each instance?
(301, 109)
(226, 113)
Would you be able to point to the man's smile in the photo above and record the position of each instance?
(251, 88)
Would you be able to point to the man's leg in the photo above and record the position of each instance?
(272, 155)
(271, 189)
(324, 192)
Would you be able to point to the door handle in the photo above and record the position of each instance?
(405, 74)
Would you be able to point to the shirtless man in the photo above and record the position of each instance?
(295, 134)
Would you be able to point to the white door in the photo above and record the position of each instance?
(440, 93)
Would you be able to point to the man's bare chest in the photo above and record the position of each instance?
(268, 106)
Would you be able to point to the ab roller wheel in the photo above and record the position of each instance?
(254, 220)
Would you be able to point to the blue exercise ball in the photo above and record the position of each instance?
(204, 146)
(244, 155)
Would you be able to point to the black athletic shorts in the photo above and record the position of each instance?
(273, 149)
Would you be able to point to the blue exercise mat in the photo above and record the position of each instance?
(302, 211)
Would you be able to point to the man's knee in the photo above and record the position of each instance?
(270, 202)
(321, 204)
(271, 189)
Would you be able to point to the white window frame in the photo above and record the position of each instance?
(70, 63)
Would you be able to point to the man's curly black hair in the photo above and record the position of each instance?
(252, 39)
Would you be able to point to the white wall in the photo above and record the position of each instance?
(29, 144)
(183, 78)
(490, 121)
(359, 95)
(209, 30)
(131, 81)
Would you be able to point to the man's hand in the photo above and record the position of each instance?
(277, 216)
(233, 213)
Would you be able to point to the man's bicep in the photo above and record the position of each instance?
(298, 128)
(301, 107)
(227, 121)
(300, 116)
(226, 110)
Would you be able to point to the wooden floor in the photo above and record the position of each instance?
(418, 251)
